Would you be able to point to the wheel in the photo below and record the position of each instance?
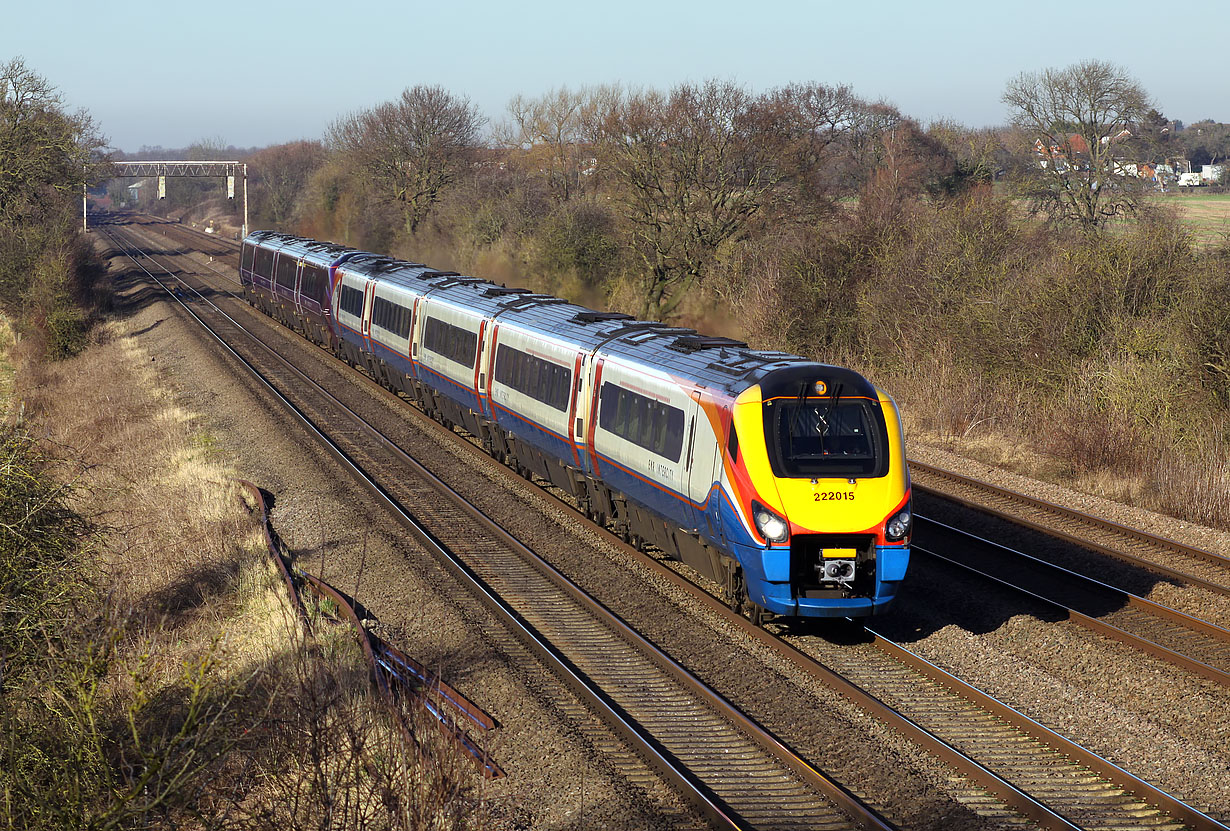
(758, 615)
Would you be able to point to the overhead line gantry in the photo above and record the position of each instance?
(231, 170)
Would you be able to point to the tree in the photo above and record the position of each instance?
(281, 175)
(413, 148)
(973, 150)
(1207, 142)
(691, 169)
(46, 154)
(550, 130)
(1077, 119)
(808, 127)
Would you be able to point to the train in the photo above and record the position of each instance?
(781, 479)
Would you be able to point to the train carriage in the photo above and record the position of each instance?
(289, 278)
(780, 478)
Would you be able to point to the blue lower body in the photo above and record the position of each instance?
(766, 573)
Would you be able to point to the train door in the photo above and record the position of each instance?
(704, 465)
(365, 325)
(578, 415)
(416, 325)
(297, 290)
(480, 372)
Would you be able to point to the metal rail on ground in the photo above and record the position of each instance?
(395, 674)
(1218, 637)
(1220, 563)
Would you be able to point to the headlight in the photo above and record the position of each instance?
(897, 527)
(772, 527)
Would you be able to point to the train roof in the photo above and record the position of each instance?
(322, 253)
(714, 362)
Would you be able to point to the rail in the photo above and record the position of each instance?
(395, 674)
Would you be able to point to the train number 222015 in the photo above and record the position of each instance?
(832, 496)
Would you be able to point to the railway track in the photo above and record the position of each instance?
(1170, 559)
(1173, 636)
(1039, 773)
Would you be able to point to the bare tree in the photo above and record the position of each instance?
(1078, 119)
(974, 150)
(808, 126)
(282, 173)
(550, 130)
(691, 169)
(45, 153)
(413, 148)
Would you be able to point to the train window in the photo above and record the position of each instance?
(827, 437)
(391, 317)
(312, 281)
(646, 422)
(262, 263)
(449, 341)
(543, 380)
(286, 271)
(351, 301)
(246, 264)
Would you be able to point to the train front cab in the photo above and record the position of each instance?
(820, 474)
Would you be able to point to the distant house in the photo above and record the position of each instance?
(1211, 174)
(1078, 144)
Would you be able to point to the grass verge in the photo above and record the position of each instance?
(152, 674)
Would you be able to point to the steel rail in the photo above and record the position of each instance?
(714, 809)
(383, 658)
(182, 229)
(1085, 519)
(1151, 794)
(1092, 623)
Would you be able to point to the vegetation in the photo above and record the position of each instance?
(153, 673)
(412, 149)
(46, 157)
(1077, 119)
(993, 296)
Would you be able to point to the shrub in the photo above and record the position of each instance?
(578, 235)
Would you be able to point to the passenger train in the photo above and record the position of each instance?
(781, 479)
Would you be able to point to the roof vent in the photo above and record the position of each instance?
(598, 317)
(523, 303)
(695, 343)
(501, 291)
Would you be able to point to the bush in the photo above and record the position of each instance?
(39, 551)
(580, 236)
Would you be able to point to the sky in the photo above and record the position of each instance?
(256, 73)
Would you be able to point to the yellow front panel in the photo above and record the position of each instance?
(822, 505)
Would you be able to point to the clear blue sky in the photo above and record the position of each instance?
(257, 73)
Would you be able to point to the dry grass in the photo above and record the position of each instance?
(1206, 215)
(1058, 439)
(196, 636)
(7, 371)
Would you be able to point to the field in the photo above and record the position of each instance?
(1207, 214)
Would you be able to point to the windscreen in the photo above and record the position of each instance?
(826, 437)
